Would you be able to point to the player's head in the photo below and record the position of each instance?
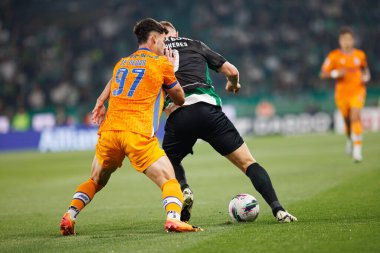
(151, 33)
(346, 38)
(172, 32)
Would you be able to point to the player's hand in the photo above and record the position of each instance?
(337, 73)
(342, 73)
(98, 113)
(170, 55)
(366, 77)
(232, 88)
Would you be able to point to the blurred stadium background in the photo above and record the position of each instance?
(56, 56)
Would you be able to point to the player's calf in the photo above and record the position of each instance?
(349, 147)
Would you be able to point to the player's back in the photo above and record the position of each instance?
(136, 97)
(195, 59)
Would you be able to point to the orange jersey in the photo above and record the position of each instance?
(353, 63)
(136, 96)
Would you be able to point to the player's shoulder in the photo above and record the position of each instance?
(336, 52)
(150, 58)
(359, 52)
(121, 62)
(163, 63)
(162, 59)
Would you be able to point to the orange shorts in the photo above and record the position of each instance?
(113, 146)
(344, 102)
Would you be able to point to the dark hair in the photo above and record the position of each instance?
(346, 30)
(143, 28)
(167, 24)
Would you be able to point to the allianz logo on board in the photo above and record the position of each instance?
(67, 139)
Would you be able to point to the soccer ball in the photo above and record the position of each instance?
(243, 207)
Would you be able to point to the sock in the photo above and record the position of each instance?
(173, 215)
(180, 175)
(172, 198)
(262, 183)
(356, 135)
(83, 195)
(184, 186)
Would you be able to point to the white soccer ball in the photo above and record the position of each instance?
(243, 207)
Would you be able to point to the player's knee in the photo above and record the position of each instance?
(160, 171)
(355, 115)
(102, 175)
(242, 158)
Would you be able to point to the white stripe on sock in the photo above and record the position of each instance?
(171, 199)
(355, 137)
(83, 197)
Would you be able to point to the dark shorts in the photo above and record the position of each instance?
(199, 121)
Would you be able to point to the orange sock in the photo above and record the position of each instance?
(83, 195)
(356, 135)
(172, 198)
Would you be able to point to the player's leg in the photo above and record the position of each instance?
(178, 142)
(347, 124)
(226, 140)
(356, 104)
(343, 106)
(180, 174)
(162, 174)
(84, 193)
(260, 179)
(356, 135)
(188, 196)
(105, 162)
(146, 156)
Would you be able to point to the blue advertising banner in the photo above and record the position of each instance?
(19, 140)
(56, 139)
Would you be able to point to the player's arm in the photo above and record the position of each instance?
(172, 86)
(173, 57)
(333, 74)
(232, 75)
(220, 64)
(329, 71)
(99, 111)
(366, 77)
(176, 94)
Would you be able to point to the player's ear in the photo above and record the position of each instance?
(153, 38)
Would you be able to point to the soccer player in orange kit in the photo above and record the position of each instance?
(348, 66)
(136, 99)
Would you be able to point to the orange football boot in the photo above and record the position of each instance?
(173, 225)
(67, 225)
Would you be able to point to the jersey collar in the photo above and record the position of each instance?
(348, 54)
(145, 48)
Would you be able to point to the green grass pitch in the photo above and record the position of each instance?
(337, 202)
